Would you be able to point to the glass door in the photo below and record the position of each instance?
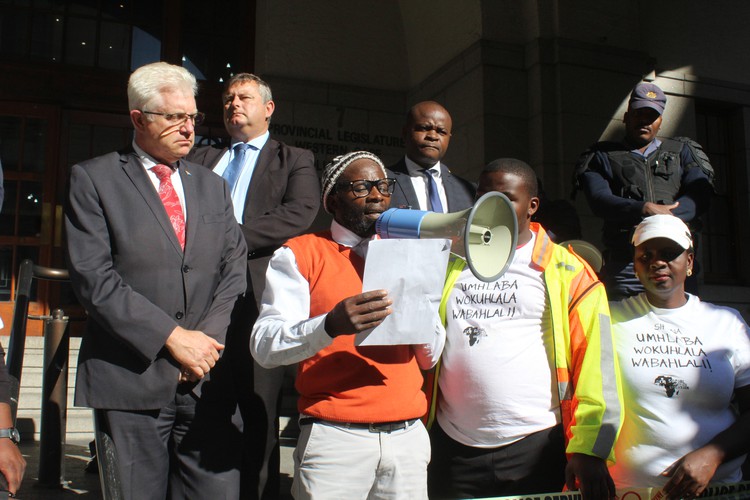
(28, 226)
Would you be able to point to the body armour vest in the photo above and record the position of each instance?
(655, 179)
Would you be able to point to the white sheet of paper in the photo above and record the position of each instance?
(413, 272)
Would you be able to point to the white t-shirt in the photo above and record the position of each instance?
(496, 383)
(679, 368)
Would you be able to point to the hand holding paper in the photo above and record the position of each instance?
(358, 313)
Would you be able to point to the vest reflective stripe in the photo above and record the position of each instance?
(612, 418)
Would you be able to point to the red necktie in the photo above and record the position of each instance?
(171, 202)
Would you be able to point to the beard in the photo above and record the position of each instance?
(358, 223)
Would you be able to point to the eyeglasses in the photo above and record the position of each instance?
(180, 118)
(362, 188)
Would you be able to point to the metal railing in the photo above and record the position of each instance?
(54, 385)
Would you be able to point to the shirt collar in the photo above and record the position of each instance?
(653, 146)
(256, 143)
(416, 170)
(343, 236)
(149, 161)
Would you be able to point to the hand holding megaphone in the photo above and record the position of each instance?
(485, 235)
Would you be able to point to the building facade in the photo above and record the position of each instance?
(538, 80)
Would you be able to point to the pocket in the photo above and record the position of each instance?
(212, 218)
(303, 443)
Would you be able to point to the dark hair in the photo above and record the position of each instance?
(518, 168)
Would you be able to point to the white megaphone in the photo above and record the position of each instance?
(485, 235)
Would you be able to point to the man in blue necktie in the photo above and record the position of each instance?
(423, 182)
(276, 195)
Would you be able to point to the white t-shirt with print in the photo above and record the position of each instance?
(496, 383)
(679, 369)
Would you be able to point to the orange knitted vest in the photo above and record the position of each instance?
(342, 382)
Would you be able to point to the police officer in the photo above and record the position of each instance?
(641, 176)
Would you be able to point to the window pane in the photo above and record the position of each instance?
(148, 17)
(14, 32)
(6, 272)
(10, 134)
(108, 139)
(146, 49)
(79, 45)
(85, 7)
(30, 209)
(34, 147)
(54, 5)
(114, 47)
(8, 213)
(79, 143)
(117, 10)
(46, 37)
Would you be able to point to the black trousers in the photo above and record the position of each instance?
(259, 397)
(188, 449)
(535, 464)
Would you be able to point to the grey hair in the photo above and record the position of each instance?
(333, 170)
(263, 88)
(147, 83)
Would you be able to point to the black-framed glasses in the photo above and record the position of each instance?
(180, 118)
(361, 188)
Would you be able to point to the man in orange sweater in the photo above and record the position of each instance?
(360, 406)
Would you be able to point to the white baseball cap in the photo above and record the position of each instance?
(663, 226)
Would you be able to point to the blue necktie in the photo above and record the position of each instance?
(432, 191)
(232, 172)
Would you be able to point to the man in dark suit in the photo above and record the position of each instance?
(276, 196)
(423, 182)
(158, 261)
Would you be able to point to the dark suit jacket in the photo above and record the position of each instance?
(460, 192)
(128, 271)
(282, 201)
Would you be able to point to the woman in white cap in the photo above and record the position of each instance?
(682, 362)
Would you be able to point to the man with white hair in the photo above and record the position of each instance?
(361, 404)
(158, 260)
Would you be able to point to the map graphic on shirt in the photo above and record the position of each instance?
(672, 385)
(474, 333)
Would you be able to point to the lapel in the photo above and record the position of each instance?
(448, 186)
(192, 203)
(132, 167)
(266, 156)
(405, 185)
(219, 154)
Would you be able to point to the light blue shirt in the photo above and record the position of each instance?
(239, 193)
(650, 149)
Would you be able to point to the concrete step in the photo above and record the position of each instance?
(79, 422)
(78, 425)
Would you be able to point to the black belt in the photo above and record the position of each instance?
(379, 427)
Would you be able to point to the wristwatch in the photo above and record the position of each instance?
(11, 433)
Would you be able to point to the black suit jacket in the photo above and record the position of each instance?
(460, 192)
(282, 201)
(129, 272)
